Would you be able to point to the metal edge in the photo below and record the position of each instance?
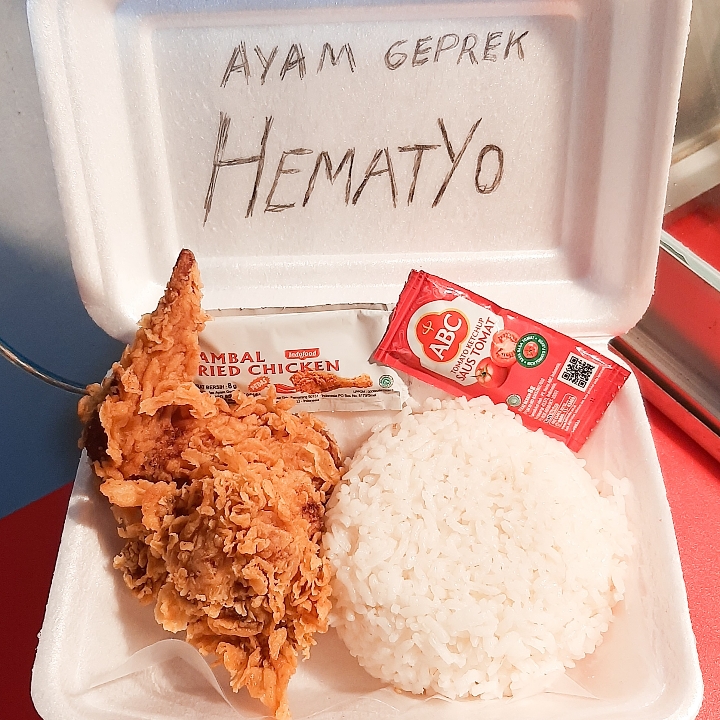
(668, 397)
(703, 269)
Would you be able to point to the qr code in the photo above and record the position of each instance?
(577, 372)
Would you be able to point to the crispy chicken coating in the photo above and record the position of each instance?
(319, 381)
(221, 505)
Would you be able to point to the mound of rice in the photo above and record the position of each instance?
(472, 556)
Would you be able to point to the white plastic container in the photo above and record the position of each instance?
(553, 209)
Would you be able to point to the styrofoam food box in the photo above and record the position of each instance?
(518, 148)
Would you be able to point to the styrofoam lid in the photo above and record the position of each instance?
(312, 153)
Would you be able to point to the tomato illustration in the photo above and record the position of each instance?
(531, 350)
(490, 375)
(502, 348)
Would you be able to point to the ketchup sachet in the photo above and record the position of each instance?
(466, 345)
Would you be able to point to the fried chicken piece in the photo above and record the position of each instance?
(221, 506)
(318, 381)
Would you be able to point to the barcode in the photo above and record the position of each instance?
(577, 372)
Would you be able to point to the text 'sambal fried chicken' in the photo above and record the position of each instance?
(318, 381)
(221, 505)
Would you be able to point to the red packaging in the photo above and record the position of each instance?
(466, 345)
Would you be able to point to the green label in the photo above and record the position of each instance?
(531, 350)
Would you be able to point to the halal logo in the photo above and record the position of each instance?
(531, 350)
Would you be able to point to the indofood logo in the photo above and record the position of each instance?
(302, 354)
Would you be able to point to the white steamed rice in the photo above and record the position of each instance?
(472, 556)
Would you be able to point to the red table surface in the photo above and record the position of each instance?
(29, 539)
